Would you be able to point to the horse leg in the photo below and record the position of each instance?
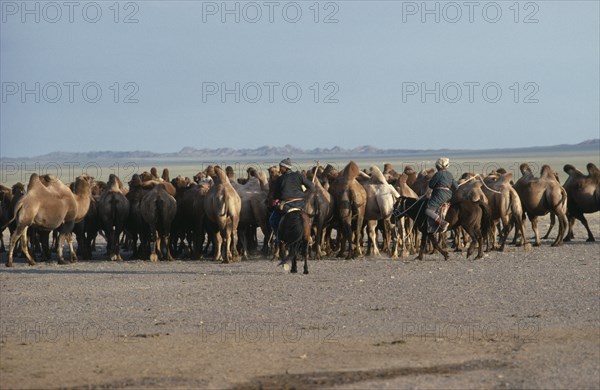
(423, 243)
(437, 246)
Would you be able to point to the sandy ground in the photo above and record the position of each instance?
(511, 320)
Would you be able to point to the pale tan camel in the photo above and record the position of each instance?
(49, 205)
(222, 207)
(381, 197)
(540, 196)
(506, 207)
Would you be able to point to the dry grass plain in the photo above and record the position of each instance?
(511, 320)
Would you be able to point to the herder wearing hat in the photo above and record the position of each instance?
(287, 193)
(442, 184)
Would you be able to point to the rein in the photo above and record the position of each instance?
(482, 182)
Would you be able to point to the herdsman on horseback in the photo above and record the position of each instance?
(442, 184)
(288, 193)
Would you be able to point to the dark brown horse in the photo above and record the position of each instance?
(473, 217)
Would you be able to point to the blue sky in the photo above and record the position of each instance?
(347, 73)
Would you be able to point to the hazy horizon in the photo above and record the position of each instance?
(159, 76)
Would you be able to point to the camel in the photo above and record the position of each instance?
(135, 225)
(421, 183)
(48, 206)
(222, 206)
(319, 207)
(6, 197)
(406, 235)
(381, 197)
(505, 205)
(350, 203)
(113, 210)
(253, 212)
(540, 196)
(583, 196)
(158, 209)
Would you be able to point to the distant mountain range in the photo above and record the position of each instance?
(190, 152)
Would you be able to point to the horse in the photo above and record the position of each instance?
(474, 217)
(415, 209)
(294, 232)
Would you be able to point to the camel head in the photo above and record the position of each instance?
(83, 185)
(179, 182)
(18, 189)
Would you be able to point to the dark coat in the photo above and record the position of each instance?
(442, 179)
(289, 186)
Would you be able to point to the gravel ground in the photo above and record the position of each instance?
(511, 320)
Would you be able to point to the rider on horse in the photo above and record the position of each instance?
(288, 193)
(442, 184)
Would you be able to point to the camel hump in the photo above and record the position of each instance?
(221, 175)
(351, 171)
(593, 170)
(34, 179)
(572, 171)
(376, 176)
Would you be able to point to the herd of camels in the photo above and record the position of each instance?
(156, 217)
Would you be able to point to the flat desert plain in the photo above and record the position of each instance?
(510, 320)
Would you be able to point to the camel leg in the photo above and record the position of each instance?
(358, 236)
(534, 226)
(562, 228)
(570, 234)
(552, 223)
(169, 256)
(371, 225)
(587, 227)
(60, 243)
(155, 247)
(71, 249)
(20, 233)
(218, 241)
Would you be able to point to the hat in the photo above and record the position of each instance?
(286, 163)
(442, 163)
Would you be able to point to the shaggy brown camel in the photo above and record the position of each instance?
(158, 209)
(253, 212)
(506, 207)
(113, 211)
(540, 196)
(48, 206)
(583, 192)
(406, 235)
(350, 202)
(222, 206)
(319, 207)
